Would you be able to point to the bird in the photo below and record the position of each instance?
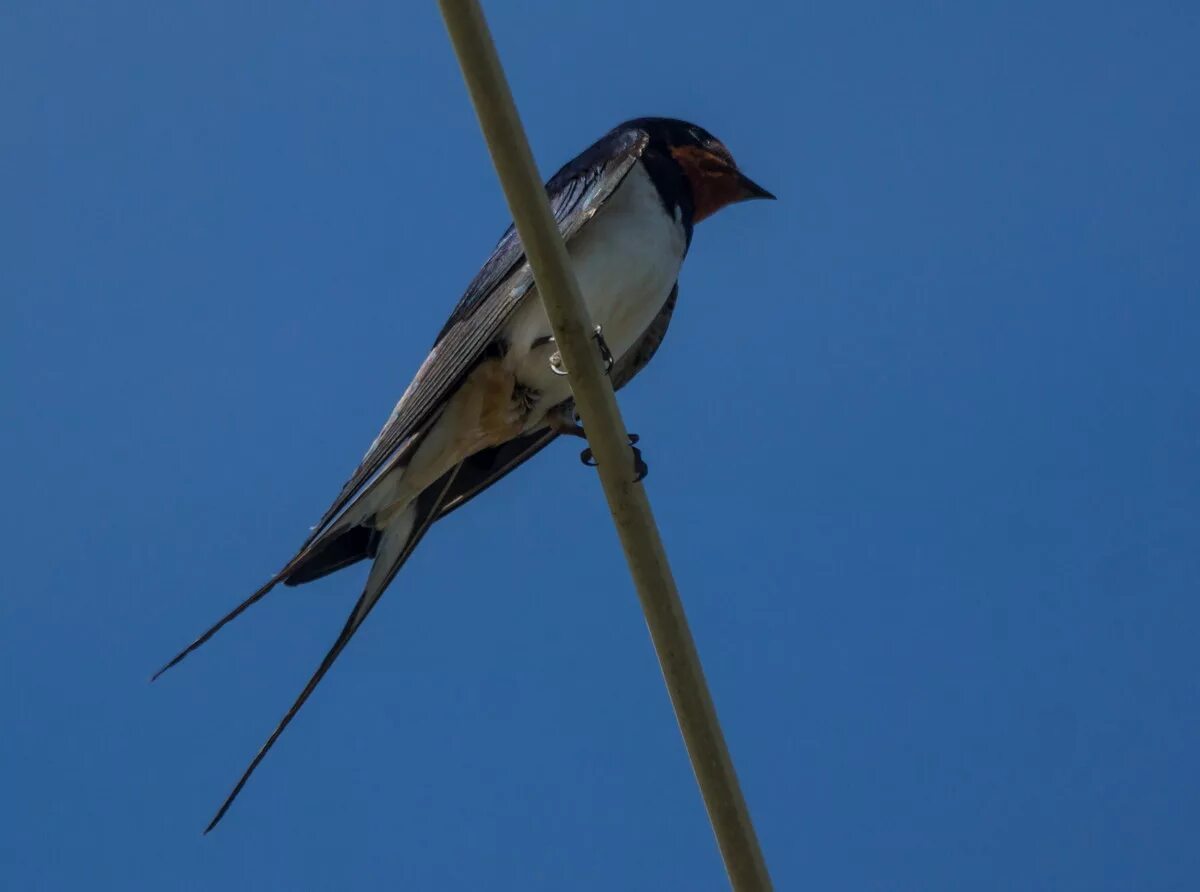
(492, 391)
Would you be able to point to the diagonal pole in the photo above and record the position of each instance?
(607, 437)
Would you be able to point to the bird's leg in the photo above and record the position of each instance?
(605, 353)
(641, 469)
(559, 368)
(565, 420)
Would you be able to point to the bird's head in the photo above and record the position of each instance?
(709, 167)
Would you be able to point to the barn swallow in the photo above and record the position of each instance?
(492, 392)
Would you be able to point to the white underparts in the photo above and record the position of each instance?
(626, 261)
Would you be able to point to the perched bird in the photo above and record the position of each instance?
(492, 392)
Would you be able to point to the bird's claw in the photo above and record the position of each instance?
(602, 345)
(559, 368)
(640, 468)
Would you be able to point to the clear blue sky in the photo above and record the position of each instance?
(924, 444)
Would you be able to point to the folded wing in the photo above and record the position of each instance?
(576, 193)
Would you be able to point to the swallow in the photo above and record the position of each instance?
(492, 392)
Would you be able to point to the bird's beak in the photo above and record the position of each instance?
(751, 189)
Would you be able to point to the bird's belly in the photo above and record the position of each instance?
(626, 267)
(626, 262)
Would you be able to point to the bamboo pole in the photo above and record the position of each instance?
(608, 439)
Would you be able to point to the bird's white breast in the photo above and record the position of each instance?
(626, 260)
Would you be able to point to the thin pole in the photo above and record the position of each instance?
(608, 439)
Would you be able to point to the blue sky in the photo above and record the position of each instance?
(924, 445)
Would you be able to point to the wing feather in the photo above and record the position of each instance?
(576, 193)
(504, 281)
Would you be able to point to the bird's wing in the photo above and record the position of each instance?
(480, 315)
(488, 466)
(639, 355)
(576, 192)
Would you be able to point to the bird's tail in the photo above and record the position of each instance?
(219, 624)
(396, 543)
(315, 550)
(335, 542)
(310, 549)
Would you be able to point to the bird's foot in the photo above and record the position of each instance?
(602, 345)
(559, 368)
(640, 468)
